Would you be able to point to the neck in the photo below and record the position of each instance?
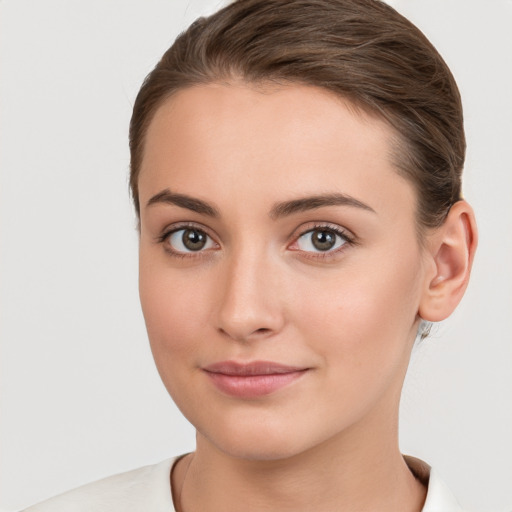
(341, 474)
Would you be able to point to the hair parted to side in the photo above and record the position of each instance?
(361, 50)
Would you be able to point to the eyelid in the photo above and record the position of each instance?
(303, 229)
(316, 225)
(176, 226)
(344, 233)
(182, 225)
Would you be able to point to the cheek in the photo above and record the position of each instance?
(365, 314)
(175, 315)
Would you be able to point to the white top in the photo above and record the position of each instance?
(148, 489)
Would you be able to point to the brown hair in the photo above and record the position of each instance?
(361, 50)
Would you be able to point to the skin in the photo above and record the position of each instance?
(260, 290)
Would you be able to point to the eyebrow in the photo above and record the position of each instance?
(184, 201)
(313, 202)
(279, 210)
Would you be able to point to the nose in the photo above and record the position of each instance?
(249, 305)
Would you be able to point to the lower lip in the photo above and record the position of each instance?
(253, 386)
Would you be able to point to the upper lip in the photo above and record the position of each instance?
(251, 368)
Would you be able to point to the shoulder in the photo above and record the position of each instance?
(146, 488)
(439, 497)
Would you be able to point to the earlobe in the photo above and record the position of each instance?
(452, 252)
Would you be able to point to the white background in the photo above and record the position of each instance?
(80, 396)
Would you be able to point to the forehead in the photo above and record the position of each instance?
(291, 112)
(237, 138)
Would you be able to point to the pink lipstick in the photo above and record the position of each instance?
(252, 380)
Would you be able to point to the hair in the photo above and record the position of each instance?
(361, 50)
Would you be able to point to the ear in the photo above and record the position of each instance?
(451, 249)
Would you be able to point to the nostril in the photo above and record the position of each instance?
(261, 332)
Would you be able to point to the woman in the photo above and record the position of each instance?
(296, 169)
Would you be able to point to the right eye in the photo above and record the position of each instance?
(188, 240)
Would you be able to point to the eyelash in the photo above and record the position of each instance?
(178, 227)
(349, 239)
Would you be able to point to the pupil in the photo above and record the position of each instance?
(194, 240)
(323, 240)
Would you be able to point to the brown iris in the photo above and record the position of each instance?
(193, 239)
(323, 240)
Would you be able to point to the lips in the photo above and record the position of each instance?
(252, 380)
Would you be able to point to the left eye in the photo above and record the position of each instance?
(320, 240)
(189, 240)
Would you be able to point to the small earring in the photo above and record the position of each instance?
(423, 330)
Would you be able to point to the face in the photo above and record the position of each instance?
(280, 270)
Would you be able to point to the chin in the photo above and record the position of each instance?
(262, 440)
(257, 450)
